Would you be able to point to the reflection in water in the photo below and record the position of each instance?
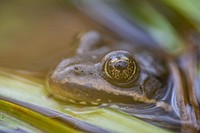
(168, 119)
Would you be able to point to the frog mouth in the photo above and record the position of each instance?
(93, 90)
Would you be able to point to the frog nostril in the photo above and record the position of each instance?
(120, 67)
(78, 71)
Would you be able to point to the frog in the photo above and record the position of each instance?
(103, 71)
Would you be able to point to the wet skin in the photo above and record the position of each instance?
(102, 72)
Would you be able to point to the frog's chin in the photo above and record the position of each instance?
(83, 102)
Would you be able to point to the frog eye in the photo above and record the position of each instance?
(120, 68)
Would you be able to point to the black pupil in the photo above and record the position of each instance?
(121, 65)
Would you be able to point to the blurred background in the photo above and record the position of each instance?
(35, 34)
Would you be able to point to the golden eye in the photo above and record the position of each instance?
(120, 68)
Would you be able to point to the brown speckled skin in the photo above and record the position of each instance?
(81, 78)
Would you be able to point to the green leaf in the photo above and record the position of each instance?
(15, 90)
